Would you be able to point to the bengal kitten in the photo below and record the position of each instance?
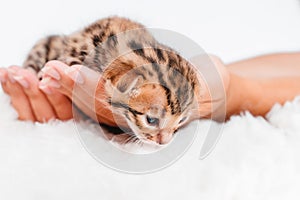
(147, 83)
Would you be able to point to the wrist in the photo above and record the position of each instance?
(244, 94)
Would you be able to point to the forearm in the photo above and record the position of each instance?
(256, 84)
(267, 66)
(258, 96)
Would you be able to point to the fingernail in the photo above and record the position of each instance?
(45, 89)
(75, 75)
(2, 77)
(11, 78)
(49, 83)
(11, 70)
(10, 75)
(45, 81)
(21, 81)
(51, 72)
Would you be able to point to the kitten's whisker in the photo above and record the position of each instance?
(141, 143)
(130, 138)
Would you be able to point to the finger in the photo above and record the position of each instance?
(19, 100)
(51, 86)
(40, 105)
(47, 86)
(81, 77)
(9, 74)
(4, 79)
(61, 104)
(77, 82)
(56, 70)
(85, 87)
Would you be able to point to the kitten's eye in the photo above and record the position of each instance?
(182, 120)
(152, 121)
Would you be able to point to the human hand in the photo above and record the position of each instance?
(85, 87)
(30, 102)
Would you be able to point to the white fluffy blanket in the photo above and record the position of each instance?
(255, 158)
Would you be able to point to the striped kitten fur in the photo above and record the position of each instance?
(147, 83)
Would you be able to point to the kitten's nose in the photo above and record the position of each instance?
(163, 138)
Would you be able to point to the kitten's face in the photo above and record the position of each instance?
(150, 116)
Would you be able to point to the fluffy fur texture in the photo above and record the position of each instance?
(254, 159)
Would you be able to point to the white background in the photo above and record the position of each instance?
(231, 29)
(254, 159)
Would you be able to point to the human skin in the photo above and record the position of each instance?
(254, 84)
(31, 103)
(257, 84)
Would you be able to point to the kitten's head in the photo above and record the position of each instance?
(153, 89)
(151, 110)
(154, 120)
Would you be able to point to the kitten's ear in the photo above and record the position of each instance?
(133, 89)
(109, 87)
(111, 90)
